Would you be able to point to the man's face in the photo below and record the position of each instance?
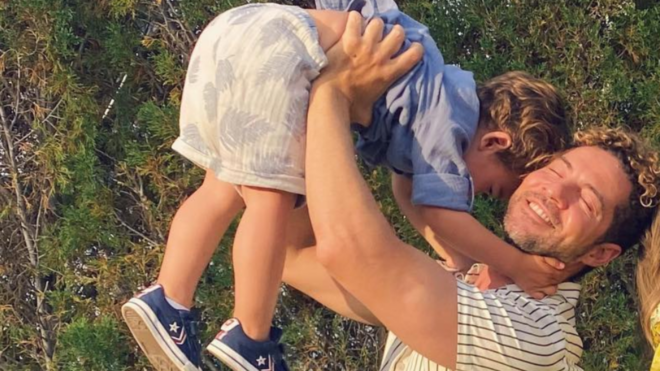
(562, 209)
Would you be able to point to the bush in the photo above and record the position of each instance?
(93, 346)
(99, 84)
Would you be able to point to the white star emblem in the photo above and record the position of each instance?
(174, 327)
(261, 361)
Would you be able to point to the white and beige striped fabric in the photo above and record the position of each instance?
(504, 330)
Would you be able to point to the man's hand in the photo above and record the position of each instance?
(539, 276)
(361, 67)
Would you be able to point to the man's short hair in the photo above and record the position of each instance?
(641, 165)
(533, 114)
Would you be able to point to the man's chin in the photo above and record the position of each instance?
(526, 241)
(541, 246)
(515, 226)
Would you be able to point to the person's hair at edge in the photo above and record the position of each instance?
(648, 273)
(531, 111)
(632, 219)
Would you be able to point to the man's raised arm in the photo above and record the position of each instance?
(406, 290)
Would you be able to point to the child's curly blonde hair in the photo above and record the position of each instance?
(531, 111)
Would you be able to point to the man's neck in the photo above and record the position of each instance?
(487, 278)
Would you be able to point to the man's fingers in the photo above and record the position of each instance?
(393, 41)
(374, 31)
(406, 60)
(353, 26)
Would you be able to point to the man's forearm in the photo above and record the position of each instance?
(340, 203)
(360, 250)
(354, 241)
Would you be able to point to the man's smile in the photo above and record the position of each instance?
(541, 212)
(536, 208)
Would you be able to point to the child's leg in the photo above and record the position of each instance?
(194, 235)
(258, 255)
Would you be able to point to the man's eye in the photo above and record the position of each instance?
(555, 172)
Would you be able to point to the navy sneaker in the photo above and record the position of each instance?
(167, 336)
(240, 353)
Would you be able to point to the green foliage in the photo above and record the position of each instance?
(607, 321)
(111, 184)
(120, 44)
(167, 68)
(93, 346)
(121, 8)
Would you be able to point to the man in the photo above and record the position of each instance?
(570, 210)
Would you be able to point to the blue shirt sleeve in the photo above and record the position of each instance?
(440, 175)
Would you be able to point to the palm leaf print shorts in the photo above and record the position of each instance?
(244, 104)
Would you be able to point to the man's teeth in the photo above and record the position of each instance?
(539, 211)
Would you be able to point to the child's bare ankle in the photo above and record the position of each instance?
(175, 295)
(256, 333)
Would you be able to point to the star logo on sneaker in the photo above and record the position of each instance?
(261, 361)
(174, 327)
(271, 366)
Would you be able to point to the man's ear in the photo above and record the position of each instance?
(601, 254)
(495, 141)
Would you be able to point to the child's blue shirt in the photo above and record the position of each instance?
(424, 123)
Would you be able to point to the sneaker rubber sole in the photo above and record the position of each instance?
(163, 354)
(230, 358)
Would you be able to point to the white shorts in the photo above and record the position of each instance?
(244, 105)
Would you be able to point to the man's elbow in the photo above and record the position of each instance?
(338, 248)
(341, 243)
(331, 248)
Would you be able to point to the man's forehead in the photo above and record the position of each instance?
(587, 155)
(604, 171)
(600, 170)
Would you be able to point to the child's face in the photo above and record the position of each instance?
(489, 174)
(494, 179)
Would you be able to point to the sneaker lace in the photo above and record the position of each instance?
(193, 333)
(282, 350)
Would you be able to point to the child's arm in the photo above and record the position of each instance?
(330, 25)
(402, 190)
(534, 274)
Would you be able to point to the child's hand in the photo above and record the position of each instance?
(539, 276)
(489, 278)
(361, 67)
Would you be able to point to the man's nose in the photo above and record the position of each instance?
(562, 193)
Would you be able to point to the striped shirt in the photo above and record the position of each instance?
(504, 330)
